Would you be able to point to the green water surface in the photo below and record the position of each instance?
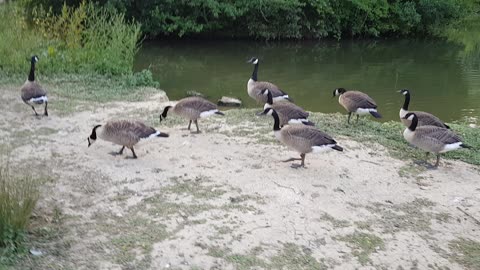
(442, 78)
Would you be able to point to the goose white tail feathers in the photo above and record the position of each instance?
(301, 121)
(284, 97)
(39, 100)
(211, 112)
(158, 134)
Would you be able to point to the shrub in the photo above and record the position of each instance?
(85, 39)
(18, 196)
(274, 19)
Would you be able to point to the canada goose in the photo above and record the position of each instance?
(255, 87)
(125, 133)
(356, 102)
(424, 118)
(301, 138)
(192, 108)
(32, 93)
(288, 113)
(431, 138)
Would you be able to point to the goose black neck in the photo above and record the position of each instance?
(165, 111)
(269, 97)
(31, 75)
(414, 123)
(276, 123)
(407, 101)
(93, 136)
(254, 74)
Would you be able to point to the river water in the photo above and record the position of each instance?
(443, 79)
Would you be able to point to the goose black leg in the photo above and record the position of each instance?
(357, 117)
(189, 124)
(121, 150)
(196, 124)
(349, 115)
(46, 112)
(133, 152)
(438, 161)
(34, 110)
(302, 164)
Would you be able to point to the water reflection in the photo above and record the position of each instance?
(442, 78)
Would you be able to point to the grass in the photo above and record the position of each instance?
(85, 53)
(18, 196)
(467, 252)
(86, 39)
(363, 244)
(387, 134)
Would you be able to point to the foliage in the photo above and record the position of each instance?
(275, 19)
(18, 196)
(86, 39)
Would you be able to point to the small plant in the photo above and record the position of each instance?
(18, 196)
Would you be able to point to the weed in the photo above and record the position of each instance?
(336, 223)
(363, 244)
(18, 196)
(467, 252)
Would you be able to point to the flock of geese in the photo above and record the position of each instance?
(291, 125)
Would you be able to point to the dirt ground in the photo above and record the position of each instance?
(223, 199)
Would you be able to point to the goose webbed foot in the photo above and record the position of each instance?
(133, 152)
(425, 164)
(296, 166)
(291, 159)
(118, 153)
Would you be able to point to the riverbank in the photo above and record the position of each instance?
(223, 200)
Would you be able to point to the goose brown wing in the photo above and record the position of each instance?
(439, 134)
(141, 130)
(291, 110)
(361, 99)
(197, 103)
(134, 130)
(270, 86)
(32, 90)
(428, 119)
(314, 136)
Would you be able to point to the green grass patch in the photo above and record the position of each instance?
(363, 244)
(289, 256)
(18, 196)
(85, 39)
(388, 134)
(467, 252)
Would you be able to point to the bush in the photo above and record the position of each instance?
(18, 196)
(275, 19)
(86, 39)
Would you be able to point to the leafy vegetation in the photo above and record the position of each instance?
(363, 244)
(18, 196)
(275, 19)
(467, 252)
(86, 39)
